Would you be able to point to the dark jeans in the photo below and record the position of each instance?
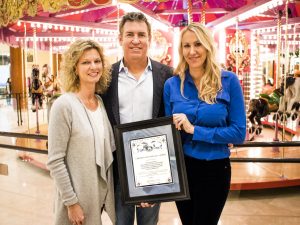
(125, 213)
(209, 184)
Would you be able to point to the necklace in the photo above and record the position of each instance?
(89, 103)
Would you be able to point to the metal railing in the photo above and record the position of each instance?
(232, 159)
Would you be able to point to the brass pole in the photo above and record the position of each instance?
(190, 15)
(237, 48)
(203, 11)
(278, 65)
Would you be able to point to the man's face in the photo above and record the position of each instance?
(135, 40)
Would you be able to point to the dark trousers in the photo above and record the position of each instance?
(125, 214)
(209, 184)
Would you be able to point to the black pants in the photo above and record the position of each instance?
(209, 184)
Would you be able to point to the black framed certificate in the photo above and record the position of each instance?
(151, 162)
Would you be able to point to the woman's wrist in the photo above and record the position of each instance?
(191, 129)
(71, 206)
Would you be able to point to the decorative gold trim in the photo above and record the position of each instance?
(77, 4)
(101, 2)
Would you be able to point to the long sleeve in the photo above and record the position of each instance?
(59, 133)
(235, 131)
(166, 95)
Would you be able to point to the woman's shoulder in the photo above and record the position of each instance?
(228, 76)
(226, 73)
(173, 79)
(64, 101)
(66, 96)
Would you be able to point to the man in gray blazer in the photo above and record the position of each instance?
(135, 94)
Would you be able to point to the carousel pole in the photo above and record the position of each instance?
(35, 64)
(57, 75)
(286, 69)
(278, 66)
(25, 70)
(190, 15)
(24, 155)
(294, 40)
(34, 45)
(50, 55)
(51, 65)
(51, 76)
(24, 74)
(203, 11)
(93, 34)
(237, 49)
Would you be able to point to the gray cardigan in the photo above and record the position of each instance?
(80, 161)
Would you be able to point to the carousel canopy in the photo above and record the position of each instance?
(62, 20)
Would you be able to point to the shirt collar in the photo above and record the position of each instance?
(188, 76)
(122, 67)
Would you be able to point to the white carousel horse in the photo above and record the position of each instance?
(268, 103)
(291, 102)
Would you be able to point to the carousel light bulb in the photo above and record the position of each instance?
(32, 25)
(19, 23)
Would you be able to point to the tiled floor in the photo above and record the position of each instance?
(26, 194)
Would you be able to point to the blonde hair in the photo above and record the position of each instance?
(70, 79)
(210, 83)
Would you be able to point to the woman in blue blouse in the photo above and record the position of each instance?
(208, 107)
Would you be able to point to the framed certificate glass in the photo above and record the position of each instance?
(151, 162)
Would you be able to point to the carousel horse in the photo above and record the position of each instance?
(36, 89)
(293, 106)
(261, 107)
(290, 104)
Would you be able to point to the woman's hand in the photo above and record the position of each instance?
(181, 122)
(75, 214)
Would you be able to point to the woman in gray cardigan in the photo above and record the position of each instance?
(81, 139)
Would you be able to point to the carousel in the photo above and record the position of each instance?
(258, 40)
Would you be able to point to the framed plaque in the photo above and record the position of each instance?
(151, 162)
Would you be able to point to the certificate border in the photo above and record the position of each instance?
(168, 160)
(183, 194)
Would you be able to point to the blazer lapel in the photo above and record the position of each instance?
(114, 92)
(157, 87)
